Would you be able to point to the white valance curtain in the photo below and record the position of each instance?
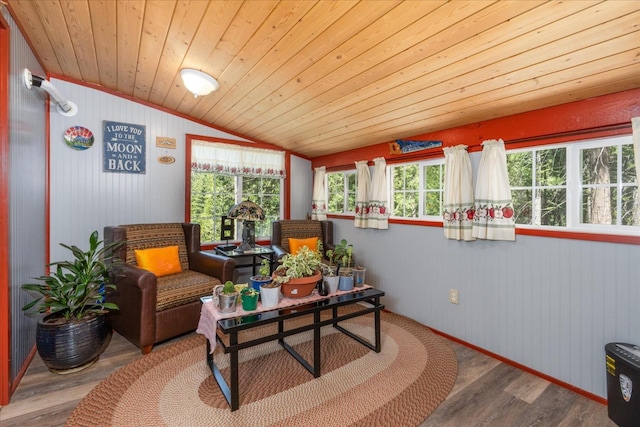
(635, 126)
(458, 204)
(378, 217)
(493, 218)
(319, 196)
(233, 159)
(361, 219)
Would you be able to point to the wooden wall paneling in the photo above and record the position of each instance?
(103, 21)
(129, 15)
(185, 21)
(215, 22)
(78, 22)
(154, 25)
(275, 48)
(38, 36)
(244, 25)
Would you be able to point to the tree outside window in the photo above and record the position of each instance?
(406, 191)
(341, 192)
(212, 195)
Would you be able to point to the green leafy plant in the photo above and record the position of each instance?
(229, 288)
(265, 268)
(304, 263)
(76, 288)
(250, 292)
(342, 253)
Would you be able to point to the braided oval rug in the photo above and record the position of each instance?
(173, 386)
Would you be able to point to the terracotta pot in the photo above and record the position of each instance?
(301, 287)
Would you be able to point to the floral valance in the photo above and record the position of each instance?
(233, 159)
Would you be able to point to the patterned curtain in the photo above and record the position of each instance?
(379, 196)
(361, 218)
(319, 198)
(493, 218)
(233, 159)
(458, 206)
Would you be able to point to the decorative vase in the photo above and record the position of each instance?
(249, 302)
(301, 286)
(72, 345)
(345, 283)
(331, 283)
(270, 297)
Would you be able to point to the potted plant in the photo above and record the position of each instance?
(227, 297)
(270, 294)
(330, 278)
(249, 299)
(343, 255)
(299, 273)
(76, 328)
(264, 275)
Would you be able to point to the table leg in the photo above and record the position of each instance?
(233, 372)
(376, 317)
(316, 344)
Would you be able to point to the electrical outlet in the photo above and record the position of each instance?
(453, 296)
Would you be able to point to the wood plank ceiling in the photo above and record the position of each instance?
(318, 77)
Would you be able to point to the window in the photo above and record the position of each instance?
(587, 186)
(225, 174)
(417, 190)
(341, 192)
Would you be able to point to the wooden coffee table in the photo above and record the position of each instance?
(229, 328)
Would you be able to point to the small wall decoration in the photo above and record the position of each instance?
(124, 147)
(166, 160)
(403, 146)
(78, 138)
(165, 142)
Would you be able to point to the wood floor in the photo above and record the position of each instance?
(487, 393)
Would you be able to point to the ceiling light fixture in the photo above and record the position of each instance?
(64, 106)
(197, 82)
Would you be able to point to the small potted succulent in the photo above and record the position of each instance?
(227, 297)
(330, 278)
(263, 277)
(249, 299)
(343, 256)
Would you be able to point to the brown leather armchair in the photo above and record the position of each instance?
(283, 230)
(154, 309)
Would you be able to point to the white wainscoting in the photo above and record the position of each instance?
(549, 304)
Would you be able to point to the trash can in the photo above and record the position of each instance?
(623, 383)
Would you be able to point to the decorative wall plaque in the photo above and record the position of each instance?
(124, 147)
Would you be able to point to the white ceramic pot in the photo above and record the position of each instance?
(270, 297)
(331, 283)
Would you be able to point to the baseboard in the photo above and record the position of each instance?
(551, 379)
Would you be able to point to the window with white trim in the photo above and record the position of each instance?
(341, 192)
(587, 186)
(225, 174)
(417, 190)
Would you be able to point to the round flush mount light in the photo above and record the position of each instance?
(197, 82)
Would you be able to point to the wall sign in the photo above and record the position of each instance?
(124, 147)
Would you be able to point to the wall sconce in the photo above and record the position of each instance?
(64, 107)
(197, 82)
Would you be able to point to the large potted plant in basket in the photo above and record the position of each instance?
(76, 328)
(299, 273)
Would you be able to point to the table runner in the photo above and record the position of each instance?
(209, 314)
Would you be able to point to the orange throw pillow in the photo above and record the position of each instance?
(159, 261)
(296, 244)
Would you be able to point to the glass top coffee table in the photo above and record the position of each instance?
(228, 331)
